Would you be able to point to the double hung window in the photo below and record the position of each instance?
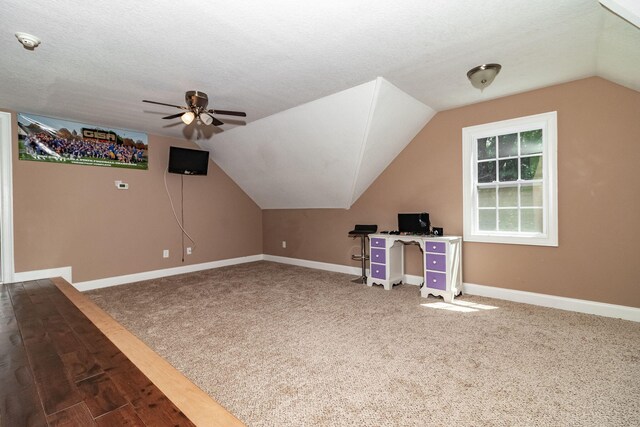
(510, 181)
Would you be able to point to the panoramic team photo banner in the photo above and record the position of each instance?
(45, 139)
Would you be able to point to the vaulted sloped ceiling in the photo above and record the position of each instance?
(323, 154)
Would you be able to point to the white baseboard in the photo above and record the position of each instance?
(408, 279)
(552, 301)
(25, 276)
(562, 303)
(147, 275)
(338, 268)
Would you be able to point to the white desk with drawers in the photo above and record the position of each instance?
(442, 257)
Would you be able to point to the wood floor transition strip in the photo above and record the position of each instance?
(198, 406)
(58, 369)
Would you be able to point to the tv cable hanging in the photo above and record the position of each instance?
(184, 161)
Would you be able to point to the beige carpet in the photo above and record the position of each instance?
(280, 345)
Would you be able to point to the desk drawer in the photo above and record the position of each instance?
(377, 242)
(379, 256)
(436, 280)
(438, 247)
(435, 262)
(378, 271)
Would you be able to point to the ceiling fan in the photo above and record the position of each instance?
(197, 108)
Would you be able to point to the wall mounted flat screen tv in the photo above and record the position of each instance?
(185, 161)
(414, 223)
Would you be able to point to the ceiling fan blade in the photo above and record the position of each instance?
(229, 113)
(173, 116)
(162, 103)
(215, 121)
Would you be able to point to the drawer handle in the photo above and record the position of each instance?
(433, 247)
(377, 271)
(434, 280)
(434, 262)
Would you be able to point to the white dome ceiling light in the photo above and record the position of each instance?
(483, 75)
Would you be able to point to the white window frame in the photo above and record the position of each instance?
(549, 124)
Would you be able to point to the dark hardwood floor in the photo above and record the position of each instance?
(58, 369)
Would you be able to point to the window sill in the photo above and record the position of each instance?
(531, 240)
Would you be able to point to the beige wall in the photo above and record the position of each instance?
(598, 190)
(69, 215)
(73, 215)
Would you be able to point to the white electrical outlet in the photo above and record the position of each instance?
(165, 253)
(189, 250)
(284, 243)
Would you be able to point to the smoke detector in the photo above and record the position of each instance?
(28, 41)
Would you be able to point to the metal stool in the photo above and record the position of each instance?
(363, 231)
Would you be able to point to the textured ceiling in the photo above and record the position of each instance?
(98, 60)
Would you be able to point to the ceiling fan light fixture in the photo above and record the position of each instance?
(483, 75)
(187, 117)
(196, 108)
(205, 119)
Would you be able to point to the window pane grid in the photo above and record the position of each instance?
(510, 181)
(502, 159)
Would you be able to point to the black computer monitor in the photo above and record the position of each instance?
(415, 223)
